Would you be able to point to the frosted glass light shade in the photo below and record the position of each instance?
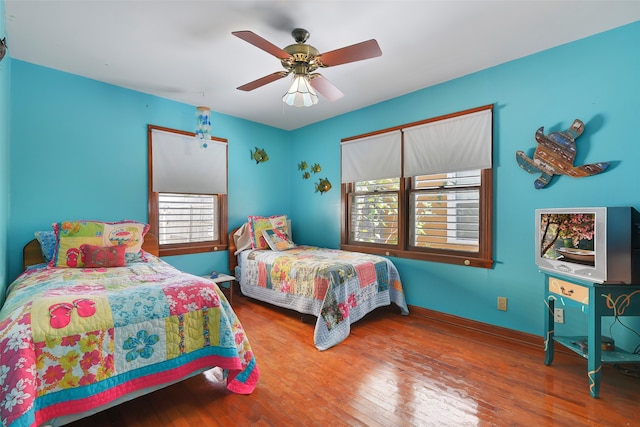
(300, 94)
(203, 125)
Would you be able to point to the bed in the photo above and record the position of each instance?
(337, 287)
(74, 341)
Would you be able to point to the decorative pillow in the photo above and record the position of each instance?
(103, 256)
(72, 234)
(259, 223)
(138, 257)
(277, 239)
(48, 242)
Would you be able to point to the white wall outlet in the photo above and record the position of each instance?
(558, 315)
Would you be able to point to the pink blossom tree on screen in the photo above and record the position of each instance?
(565, 226)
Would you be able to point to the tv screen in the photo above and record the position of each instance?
(598, 244)
(568, 237)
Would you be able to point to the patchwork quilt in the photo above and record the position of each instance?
(339, 287)
(74, 339)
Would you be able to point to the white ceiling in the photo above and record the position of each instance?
(183, 50)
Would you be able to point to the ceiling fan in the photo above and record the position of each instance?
(301, 60)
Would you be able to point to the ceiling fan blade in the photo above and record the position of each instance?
(355, 52)
(267, 46)
(325, 87)
(263, 81)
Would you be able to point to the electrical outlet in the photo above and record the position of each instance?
(558, 315)
(502, 303)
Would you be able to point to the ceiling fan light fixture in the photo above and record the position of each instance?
(300, 94)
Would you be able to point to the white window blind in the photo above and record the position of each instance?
(180, 165)
(456, 144)
(187, 218)
(371, 158)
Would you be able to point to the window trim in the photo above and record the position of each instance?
(482, 259)
(222, 243)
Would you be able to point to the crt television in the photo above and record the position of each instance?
(597, 244)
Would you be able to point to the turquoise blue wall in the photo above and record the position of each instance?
(5, 86)
(78, 150)
(595, 79)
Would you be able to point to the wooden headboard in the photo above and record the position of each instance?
(32, 254)
(233, 260)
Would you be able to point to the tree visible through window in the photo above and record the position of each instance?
(444, 217)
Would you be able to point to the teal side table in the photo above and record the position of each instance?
(596, 301)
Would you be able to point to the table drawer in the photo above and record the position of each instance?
(569, 290)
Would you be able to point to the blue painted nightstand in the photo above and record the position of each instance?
(595, 301)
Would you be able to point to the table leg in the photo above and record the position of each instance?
(548, 331)
(594, 341)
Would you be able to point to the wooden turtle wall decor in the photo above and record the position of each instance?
(555, 154)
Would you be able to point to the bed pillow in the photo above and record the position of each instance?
(103, 256)
(277, 239)
(70, 235)
(259, 223)
(47, 240)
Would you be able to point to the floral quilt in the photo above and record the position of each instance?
(339, 287)
(74, 339)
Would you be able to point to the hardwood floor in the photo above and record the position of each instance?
(393, 370)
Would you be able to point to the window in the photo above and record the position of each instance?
(437, 207)
(187, 192)
(445, 211)
(374, 211)
(187, 218)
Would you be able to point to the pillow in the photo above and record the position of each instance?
(242, 238)
(277, 239)
(259, 223)
(103, 256)
(71, 235)
(47, 240)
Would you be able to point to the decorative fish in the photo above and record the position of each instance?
(306, 175)
(323, 186)
(260, 156)
(302, 165)
(316, 168)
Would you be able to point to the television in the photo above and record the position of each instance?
(597, 244)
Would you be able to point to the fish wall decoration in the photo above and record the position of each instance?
(260, 156)
(323, 186)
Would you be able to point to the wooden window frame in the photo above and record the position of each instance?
(483, 258)
(222, 243)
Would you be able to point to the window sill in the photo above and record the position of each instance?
(193, 248)
(422, 256)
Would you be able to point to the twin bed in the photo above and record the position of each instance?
(337, 287)
(78, 337)
(74, 341)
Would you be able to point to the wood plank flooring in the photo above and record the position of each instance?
(393, 370)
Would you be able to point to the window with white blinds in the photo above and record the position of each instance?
(187, 218)
(374, 211)
(438, 207)
(187, 192)
(445, 211)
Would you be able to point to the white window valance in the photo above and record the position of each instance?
(455, 144)
(180, 165)
(373, 157)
